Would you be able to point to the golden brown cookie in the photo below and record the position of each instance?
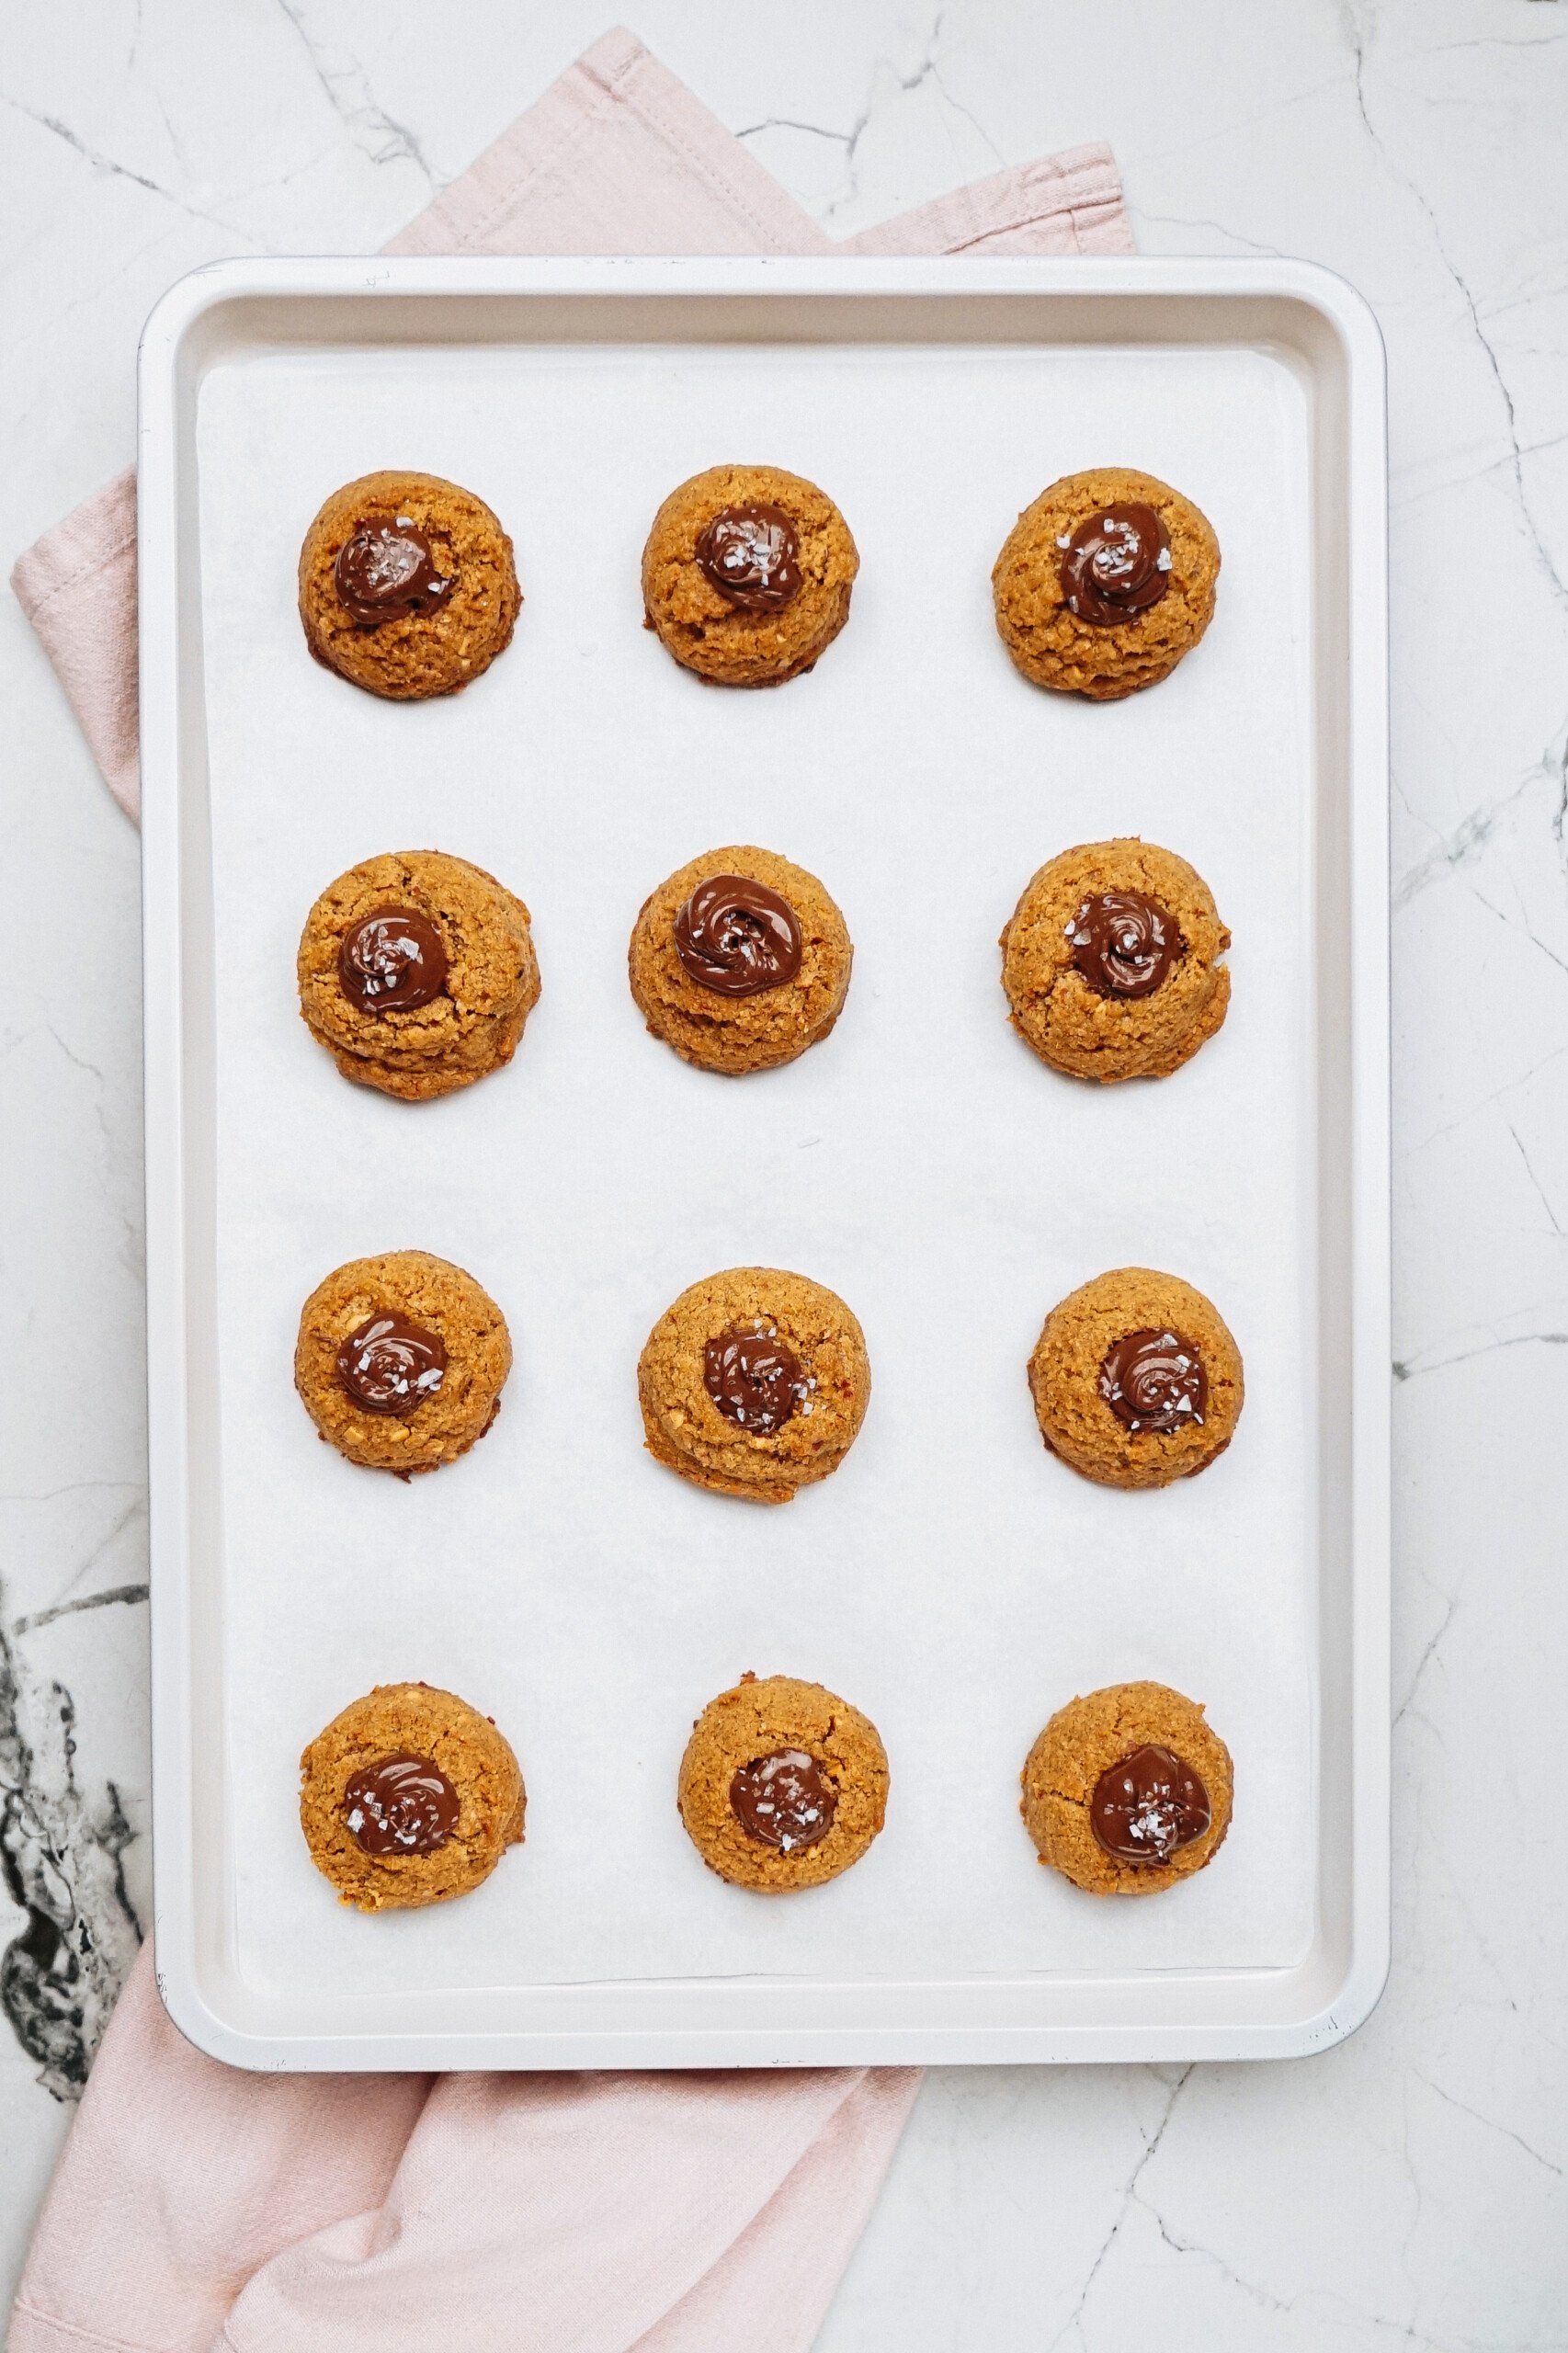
(740, 961)
(1104, 583)
(1111, 962)
(1135, 1380)
(1128, 1791)
(747, 574)
(753, 1383)
(410, 1796)
(782, 1785)
(401, 1361)
(417, 972)
(407, 587)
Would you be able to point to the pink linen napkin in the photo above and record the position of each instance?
(199, 2210)
(617, 158)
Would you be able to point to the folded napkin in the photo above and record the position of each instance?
(199, 2210)
(617, 158)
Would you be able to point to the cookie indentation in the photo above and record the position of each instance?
(401, 1805)
(754, 1377)
(1124, 943)
(1148, 1804)
(388, 571)
(1155, 1380)
(737, 937)
(389, 1366)
(784, 1799)
(392, 961)
(1116, 563)
(751, 553)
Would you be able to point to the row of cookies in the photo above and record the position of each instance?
(754, 1381)
(408, 586)
(417, 971)
(410, 1796)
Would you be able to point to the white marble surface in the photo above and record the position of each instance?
(1407, 2188)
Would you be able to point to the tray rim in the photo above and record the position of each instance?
(1329, 2011)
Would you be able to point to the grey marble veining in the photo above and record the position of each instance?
(60, 1862)
(1406, 2189)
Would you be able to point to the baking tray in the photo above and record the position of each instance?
(952, 1580)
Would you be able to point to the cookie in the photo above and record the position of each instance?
(1128, 1791)
(401, 1361)
(407, 587)
(782, 1785)
(747, 574)
(753, 1383)
(410, 1796)
(740, 961)
(417, 972)
(1104, 583)
(1135, 1380)
(1111, 962)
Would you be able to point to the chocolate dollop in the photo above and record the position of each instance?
(392, 960)
(738, 937)
(389, 1366)
(1124, 943)
(1147, 1805)
(750, 555)
(784, 1799)
(1116, 564)
(1155, 1380)
(401, 1805)
(753, 1378)
(386, 571)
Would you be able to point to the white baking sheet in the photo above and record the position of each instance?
(952, 1580)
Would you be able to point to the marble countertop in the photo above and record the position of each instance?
(1407, 2188)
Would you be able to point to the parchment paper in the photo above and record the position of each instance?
(952, 1580)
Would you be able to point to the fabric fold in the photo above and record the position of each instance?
(77, 586)
(199, 2210)
(617, 157)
